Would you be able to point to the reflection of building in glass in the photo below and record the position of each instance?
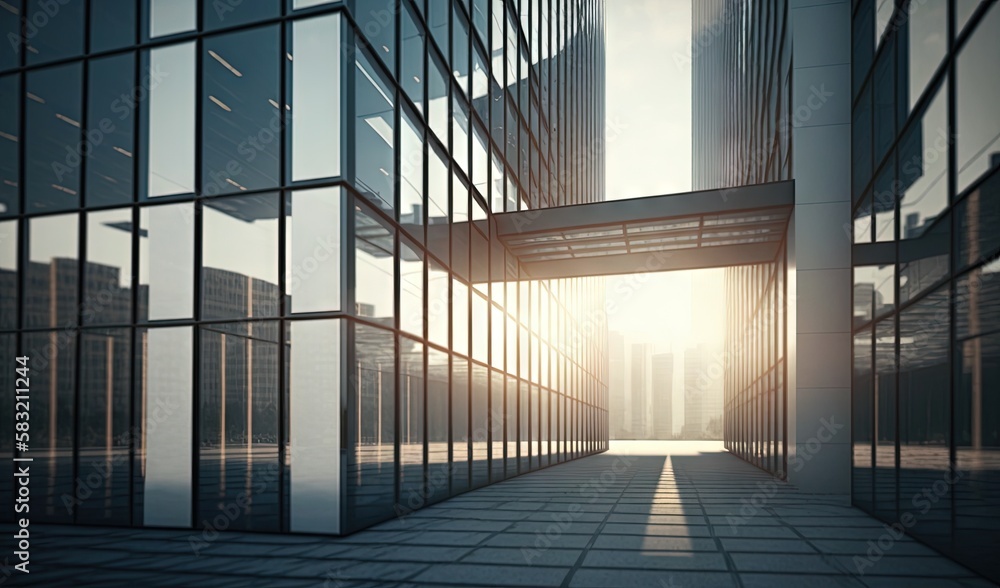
(294, 297)
(926, 409)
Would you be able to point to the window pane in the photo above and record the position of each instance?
(53, 112)
(437, 100)
(314, 368)
(169, 122)
(411, 180)
(977, 437)
(315, 71)
(460, 424)
(55, 30)
(411, 425)
(227, 13)
(241, 122)
(480, 425)
(112, 24)
(437, 21)
(164, 451)
(107, 294)
(10, 23)
(885, 423)
(166, 262)
(374, 141)
(53, 416)
(111, 124)
(438, 308)
(104, 427)
(480, 328)
(438, 426)
(460, 51)
(239, 257)
(411, 289)
(460, 317)
(312, 280)
(376, 19)
(374, 277)
(8, 274)
(371, 417)
(923, 166)
(978, 91)
(411, 76)
(924, 410)
(460, 135)
(923, 41)
(437, 205)
(238, 428)
(169, 17)
(50, 281)
(496, 426)
(10, 120)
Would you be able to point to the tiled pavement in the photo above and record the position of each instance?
(663, 515)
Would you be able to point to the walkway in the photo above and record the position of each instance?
(661, 515)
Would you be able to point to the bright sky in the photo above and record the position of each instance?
(649, 153)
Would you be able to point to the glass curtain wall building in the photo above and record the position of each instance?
(250, 251)
(926, 202)
(741, 84)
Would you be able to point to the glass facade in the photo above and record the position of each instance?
(250, 249)
(926, 194)
(741, 135)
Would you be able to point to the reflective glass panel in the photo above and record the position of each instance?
(104, 425)
(55, 30)
(164, 451)
(315, 107)
(313, 267)
(50, 280)
(241, 122)
(168, 131)
(10, 120)
(371, 410)
(107, 285)
(239, 257)
(166, 262)
(374, 141)
(238, 425)
(53, 111)
(314, 370)
(110, 108)
(977, 94)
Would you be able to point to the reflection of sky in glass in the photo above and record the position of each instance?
(246, 247)
(923, 168)
(316, 98)
(109, 242)
(167, 486)
(170, 151)
(978, 124)
(8, 245)
(168, 17)
(314, 384)
(166, 254)
(52, 237)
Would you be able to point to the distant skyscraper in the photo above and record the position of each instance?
(703, 384)
(663, 388)
(640, 388)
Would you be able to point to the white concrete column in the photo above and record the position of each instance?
(820, 249)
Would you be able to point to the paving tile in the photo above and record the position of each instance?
(596, 578)
(654, 560)
(465, 574)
